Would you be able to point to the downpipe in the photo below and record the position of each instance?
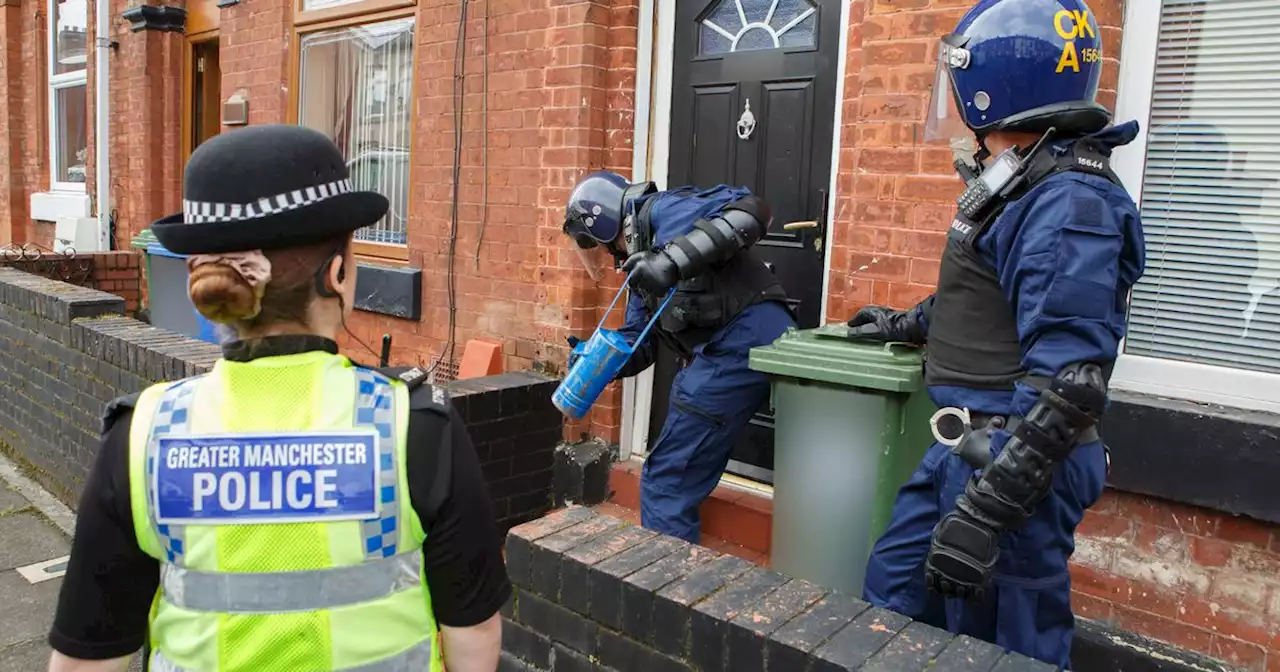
(102, 131)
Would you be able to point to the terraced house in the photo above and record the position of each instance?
(475, 118)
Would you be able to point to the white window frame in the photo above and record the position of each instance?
(1201, 383)
(56, 82)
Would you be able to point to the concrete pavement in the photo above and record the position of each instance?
(35, 538)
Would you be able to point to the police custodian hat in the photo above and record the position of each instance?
(264, 187)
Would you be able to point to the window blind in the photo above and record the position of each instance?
(1210, 200)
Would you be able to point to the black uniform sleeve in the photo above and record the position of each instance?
(462, 555)
(106, 595)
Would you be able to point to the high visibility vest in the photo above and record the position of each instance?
(274, 494)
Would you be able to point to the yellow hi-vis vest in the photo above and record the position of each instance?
(274, 494)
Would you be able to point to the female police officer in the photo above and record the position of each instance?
(288, 510)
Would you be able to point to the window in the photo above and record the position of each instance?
(68, 100)
(1204, 322)
(356, 85)
(752, 25)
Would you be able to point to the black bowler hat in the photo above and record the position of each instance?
(264, 187)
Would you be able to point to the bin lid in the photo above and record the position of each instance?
(162, 251)
(825, 354)
(143, 240)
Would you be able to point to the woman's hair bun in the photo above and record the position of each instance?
(221, 294)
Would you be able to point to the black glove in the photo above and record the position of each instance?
(962, 556)
(878, 323)
(655, 271)
(573, 347)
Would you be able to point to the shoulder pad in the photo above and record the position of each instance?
(422, 395)
(118, 407)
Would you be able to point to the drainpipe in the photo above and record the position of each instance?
(102, 133)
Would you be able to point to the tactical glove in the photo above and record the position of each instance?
(962, 555)
(654, 271)
(878, 323)
(576, 347)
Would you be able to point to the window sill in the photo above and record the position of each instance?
(50, 206)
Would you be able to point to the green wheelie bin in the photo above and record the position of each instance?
(851, 423)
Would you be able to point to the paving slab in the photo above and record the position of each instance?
(27, 538)
(28, 609)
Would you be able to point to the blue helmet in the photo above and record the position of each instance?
(597, 207)
(1019, 65)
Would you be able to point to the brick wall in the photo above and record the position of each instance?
(68, 351)
(23, 128)
(560, 81)
(1196, 578)
(595, 593)
(895, 193)
(515, 429)
(118, 273)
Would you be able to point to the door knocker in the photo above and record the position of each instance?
(746, 123)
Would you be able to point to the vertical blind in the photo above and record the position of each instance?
(355, 85)
(1210, 199)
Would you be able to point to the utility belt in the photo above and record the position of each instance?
(971, 441)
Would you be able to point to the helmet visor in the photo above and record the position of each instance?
(943, 120)
(584, 259)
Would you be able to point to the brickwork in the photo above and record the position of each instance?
(118, 273)
(1196, 578)
(69, 350)
(515, 429)
(896, 193)
(23, 127)
(596, 593)
(561, 77)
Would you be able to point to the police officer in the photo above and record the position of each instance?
(725, 302)
(1022, 332)
(288, 510)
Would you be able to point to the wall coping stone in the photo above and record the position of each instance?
(596, 593)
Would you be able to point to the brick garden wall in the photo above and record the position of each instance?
(118, 273)
(68, 351)
(595, 593)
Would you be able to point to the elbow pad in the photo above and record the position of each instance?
(1066, 415)
(714, 241)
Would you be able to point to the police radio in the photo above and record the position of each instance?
(996, 181)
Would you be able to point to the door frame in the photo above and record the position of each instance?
(188, 85)
(655, 50)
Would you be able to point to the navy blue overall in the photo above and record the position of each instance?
(712, 398)
(1066, 254)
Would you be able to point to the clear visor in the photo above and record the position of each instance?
(943, 120)
(588, 265)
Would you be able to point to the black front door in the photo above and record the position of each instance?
(753, 105)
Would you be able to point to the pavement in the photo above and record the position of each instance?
(35, 539)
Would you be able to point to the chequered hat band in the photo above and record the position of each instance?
(196, 212)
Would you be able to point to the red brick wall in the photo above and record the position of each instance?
(895, 193)
(119, 273)
(561, 77)
(23, 129)
(1196, 578)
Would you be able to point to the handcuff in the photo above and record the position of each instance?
(975, 447)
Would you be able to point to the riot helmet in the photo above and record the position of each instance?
(1019, 65)
(597, 210)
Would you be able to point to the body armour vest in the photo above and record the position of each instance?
(973, 331)
(705, 304)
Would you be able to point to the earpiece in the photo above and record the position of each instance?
(323, 288)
